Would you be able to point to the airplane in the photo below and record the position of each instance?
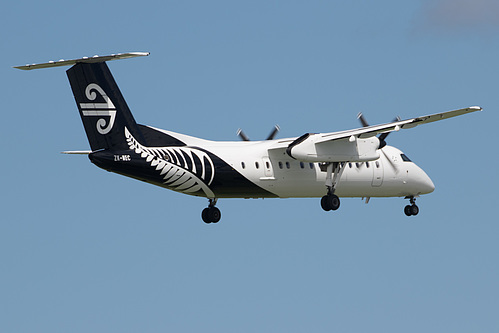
(350, 163)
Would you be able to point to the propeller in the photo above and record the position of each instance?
(243, 136)
(363, 120)
(271, 136)
(274, 132)
(382, 136)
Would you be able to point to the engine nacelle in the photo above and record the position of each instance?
(312, 148)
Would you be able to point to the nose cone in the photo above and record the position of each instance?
(424, 183)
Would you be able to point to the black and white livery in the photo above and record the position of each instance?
(352, 163)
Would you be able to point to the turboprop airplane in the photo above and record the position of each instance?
(351, 163)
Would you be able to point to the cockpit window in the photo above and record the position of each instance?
(405, 158)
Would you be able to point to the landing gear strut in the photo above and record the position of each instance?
(331, 201)
(412, 209)
(211, 214)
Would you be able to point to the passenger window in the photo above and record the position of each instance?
(267, 165)
(287, 165)
(350, 165)
(243, 165)
(311, 165)
(257, 165)
(377, 164)
(367, 164)
(280, 165)
(302, 165)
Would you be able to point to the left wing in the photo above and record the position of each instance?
(370, 131)
(357, 145)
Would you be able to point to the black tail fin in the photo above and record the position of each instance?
(103, 109)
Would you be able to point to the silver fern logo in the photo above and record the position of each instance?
(106, 109)
(184, 169)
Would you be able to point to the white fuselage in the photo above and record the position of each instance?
(266, 164)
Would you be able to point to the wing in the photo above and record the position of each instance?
(358, 144)
(369, 131)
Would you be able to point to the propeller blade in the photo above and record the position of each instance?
(363, 121)
(243, 136)
(382, 136)
(382, 139)
(273, 133)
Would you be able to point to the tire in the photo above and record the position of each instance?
(214, 214)
(325, 203)
(330, 202)
(204, 216)
(408, 210)
(334, 201)
(414, 210)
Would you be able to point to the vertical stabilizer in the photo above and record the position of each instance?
(102, 107)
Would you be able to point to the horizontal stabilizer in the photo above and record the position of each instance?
(77, 152)
(93, 59)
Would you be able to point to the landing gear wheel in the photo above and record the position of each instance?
(414, 210)
(330, 202)
(211, 215)
(214, 214)
(324, 203)
(411, 210)
(204, 216)
(334, 201)
(408, 210)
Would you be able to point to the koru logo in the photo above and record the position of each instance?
(99, 109)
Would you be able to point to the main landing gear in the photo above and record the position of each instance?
(412, 209)
(331, 201)
(211, 214)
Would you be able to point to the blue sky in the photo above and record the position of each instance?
(84, 250)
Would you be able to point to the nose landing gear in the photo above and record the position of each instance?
(412, 209)
(211, 214)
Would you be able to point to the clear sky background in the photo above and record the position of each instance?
(83, 250)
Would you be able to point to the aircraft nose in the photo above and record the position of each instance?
(425, 183)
